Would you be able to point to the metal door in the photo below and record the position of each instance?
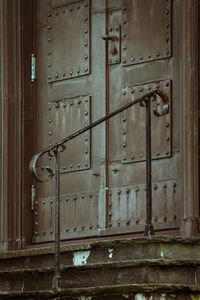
(92, 57)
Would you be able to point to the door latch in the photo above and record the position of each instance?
(113, 45)
(111, 38)
(33, 65)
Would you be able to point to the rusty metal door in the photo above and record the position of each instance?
(92, 57)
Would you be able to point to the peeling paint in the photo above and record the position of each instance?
(162, 254)
(80, 258)
(110, 253)
(148, 297)
(99, 231)
(22, 286)
(140, 297)
(195, 278)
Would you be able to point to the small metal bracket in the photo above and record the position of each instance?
(33, 65)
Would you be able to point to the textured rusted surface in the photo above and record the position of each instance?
(133, 126)
(65, 117)
(128, 211)
(69, 41)
(140, 24)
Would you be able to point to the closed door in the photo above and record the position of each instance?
(91, 58)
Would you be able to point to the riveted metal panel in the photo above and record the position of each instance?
(146, 31)
(44, 217)
(67, 116)
(79, 212)
(69, 41)
(134, 125)
(127, 205)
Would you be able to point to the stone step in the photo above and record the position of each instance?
(104, 251)
(105, 269)
(157, 271)
(117, 292)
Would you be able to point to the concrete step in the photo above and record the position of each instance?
(130, 267)
(104, 251)
(118, 292)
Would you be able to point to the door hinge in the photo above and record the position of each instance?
(32, 196)
(33, 65)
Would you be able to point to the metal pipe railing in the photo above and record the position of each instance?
(55, 150)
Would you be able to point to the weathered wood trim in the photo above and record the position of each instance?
(190, 118)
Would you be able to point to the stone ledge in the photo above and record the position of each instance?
(105, 290)
(100, 244)
(108, 265)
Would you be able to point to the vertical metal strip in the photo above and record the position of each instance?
(57, 278)
(148, 228)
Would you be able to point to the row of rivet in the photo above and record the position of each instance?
(68, 198)
(137, 189)
(64, 75)
(138, 157)
(143, 58)
(82, 196)
(68, 230)
(75, 167)
(65, 102)
(145, 88)
(137, 221)
(81, 228)
(65, 9)
(43, 232)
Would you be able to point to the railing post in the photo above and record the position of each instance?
(57, 277)
(149, 227)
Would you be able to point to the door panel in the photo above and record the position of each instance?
(66, 104)
(133, 136)
(140, 23)
(127, 206)
(146, 65)
(62, 115)
(92, 57)
(64, 24)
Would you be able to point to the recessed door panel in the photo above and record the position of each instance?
(134, 125)
(151, 40)
(69, 41)
(127, 206)
(67, 116)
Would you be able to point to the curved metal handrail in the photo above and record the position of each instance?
(59, 147)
